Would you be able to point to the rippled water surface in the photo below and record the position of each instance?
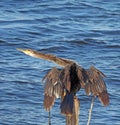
(82, 30)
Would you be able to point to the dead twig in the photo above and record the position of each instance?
(90, 110)
(49, 122)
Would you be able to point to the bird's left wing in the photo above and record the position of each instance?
(96, 85)
(53, 88)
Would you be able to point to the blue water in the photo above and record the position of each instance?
(87, 31)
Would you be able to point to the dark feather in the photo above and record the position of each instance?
(67, 104)
(69, 78)
(96, 85)
(71, 83)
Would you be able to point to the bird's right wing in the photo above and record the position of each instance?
(53, 88)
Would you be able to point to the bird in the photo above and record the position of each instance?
(66, 81)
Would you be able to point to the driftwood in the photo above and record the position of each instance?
(74, 119)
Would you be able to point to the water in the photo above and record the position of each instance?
(85, 31)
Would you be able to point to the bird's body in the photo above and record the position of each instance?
(70, 79)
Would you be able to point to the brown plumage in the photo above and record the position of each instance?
(64, 83)
(69, 80)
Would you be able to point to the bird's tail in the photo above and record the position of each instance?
(67, 105)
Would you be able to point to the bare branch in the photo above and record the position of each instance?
(90, 110)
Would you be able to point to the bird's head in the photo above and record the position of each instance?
(27, 51)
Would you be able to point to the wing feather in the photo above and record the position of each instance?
(53, 88)
(88, 88)
(96, 85)
(48, 102)
(82, 75)
(65, 77)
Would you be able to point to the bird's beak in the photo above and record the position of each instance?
(22, 50)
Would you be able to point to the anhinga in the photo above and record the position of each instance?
(65, 82)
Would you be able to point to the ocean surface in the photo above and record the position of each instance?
(87, 31)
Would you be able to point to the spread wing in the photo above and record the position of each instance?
(96, 85)
(53, 88)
